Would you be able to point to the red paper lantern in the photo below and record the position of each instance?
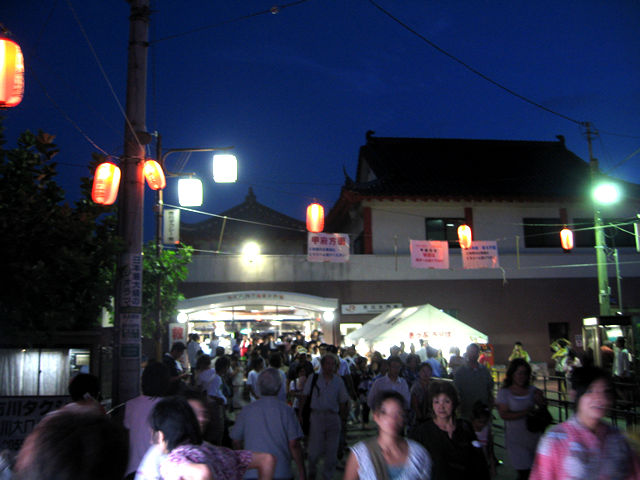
(11, 73)
(154, 175)
(464, 236)
(315, 218)
(106, 182)
(566, 239)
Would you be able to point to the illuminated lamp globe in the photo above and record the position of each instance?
(190, 192)
(182, 317)
(328, 316)
(225, 168)
(251, 251)
(606, 193)
(315, 218)
(155, 175)
(464, 236)
(566, 239)
(11, 73)
(106, 182)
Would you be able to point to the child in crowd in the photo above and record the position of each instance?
(481, 420)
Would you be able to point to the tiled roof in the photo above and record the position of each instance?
(463, 168)
(256, 215)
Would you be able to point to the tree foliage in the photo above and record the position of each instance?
(166, 271)
(59, 260)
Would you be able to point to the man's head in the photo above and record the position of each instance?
(473, 353)
(269, 382)
(83, 384)
(395, 366)
(329, 363)
(72, 445)
(155, 379)
(177, 350)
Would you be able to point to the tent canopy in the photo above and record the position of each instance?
(410, 325)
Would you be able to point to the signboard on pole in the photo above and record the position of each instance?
(429, 253)
(481, 254)
(171, 226)
(328, 247)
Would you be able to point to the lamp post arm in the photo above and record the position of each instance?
(176, 150)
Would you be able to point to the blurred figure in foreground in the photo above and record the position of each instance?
(73, 445)
(389, 455)
(178, 433)
(586, 447)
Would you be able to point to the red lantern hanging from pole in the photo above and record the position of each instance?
(566, 239)
(464, 236)
(315, 218)
(106, 182)
(155, 175)
(11, 73)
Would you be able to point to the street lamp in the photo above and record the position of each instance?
(603, 194)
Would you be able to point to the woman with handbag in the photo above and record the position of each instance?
(388, 455)
(516, 400)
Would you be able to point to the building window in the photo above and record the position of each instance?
(542, 232)
(443, 229)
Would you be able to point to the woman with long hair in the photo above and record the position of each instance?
(455, 451)
(516, 399)
(389, 455)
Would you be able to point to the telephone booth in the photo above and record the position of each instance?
(599, 335)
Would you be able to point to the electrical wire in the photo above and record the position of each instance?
(273, 10)
(104, 74)
(483, 76)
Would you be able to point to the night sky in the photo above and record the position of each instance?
(296, 91)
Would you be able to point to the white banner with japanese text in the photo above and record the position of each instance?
(429, 253)
(481, 254)
(328, 247)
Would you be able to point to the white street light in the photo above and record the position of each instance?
(251, 251)
(190, 192)
(606, 193)
(225, 168)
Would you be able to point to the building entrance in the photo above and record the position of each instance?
(258, 312)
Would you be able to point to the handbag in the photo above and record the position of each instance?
(539, 419)
(305, 413)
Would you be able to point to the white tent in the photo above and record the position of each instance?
(411, 324)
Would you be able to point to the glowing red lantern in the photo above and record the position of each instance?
(11, 73)
(154, 175)
(315, 218)
(106, 182)
(566, 239)
(464, 236)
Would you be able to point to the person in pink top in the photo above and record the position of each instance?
(585, 447)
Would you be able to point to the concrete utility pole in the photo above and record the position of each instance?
(601, 243)
(128, 297)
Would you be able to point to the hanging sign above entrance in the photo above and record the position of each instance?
(328, 247)
(367, 308)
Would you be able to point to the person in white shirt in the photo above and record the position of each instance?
(391, 381)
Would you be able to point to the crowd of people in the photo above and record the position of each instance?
(279, 409)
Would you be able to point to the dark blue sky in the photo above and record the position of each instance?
(295, 92)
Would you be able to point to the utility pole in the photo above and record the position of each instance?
(601, 244)
(128, 295)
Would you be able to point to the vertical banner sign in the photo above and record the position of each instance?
(328, 247)
(429, 253)
(481, 255)
(130, 319)
(171, 226)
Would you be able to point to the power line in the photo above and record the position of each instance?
(104, 74)
(482, 75)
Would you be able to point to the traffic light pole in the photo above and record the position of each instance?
(128, 295)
